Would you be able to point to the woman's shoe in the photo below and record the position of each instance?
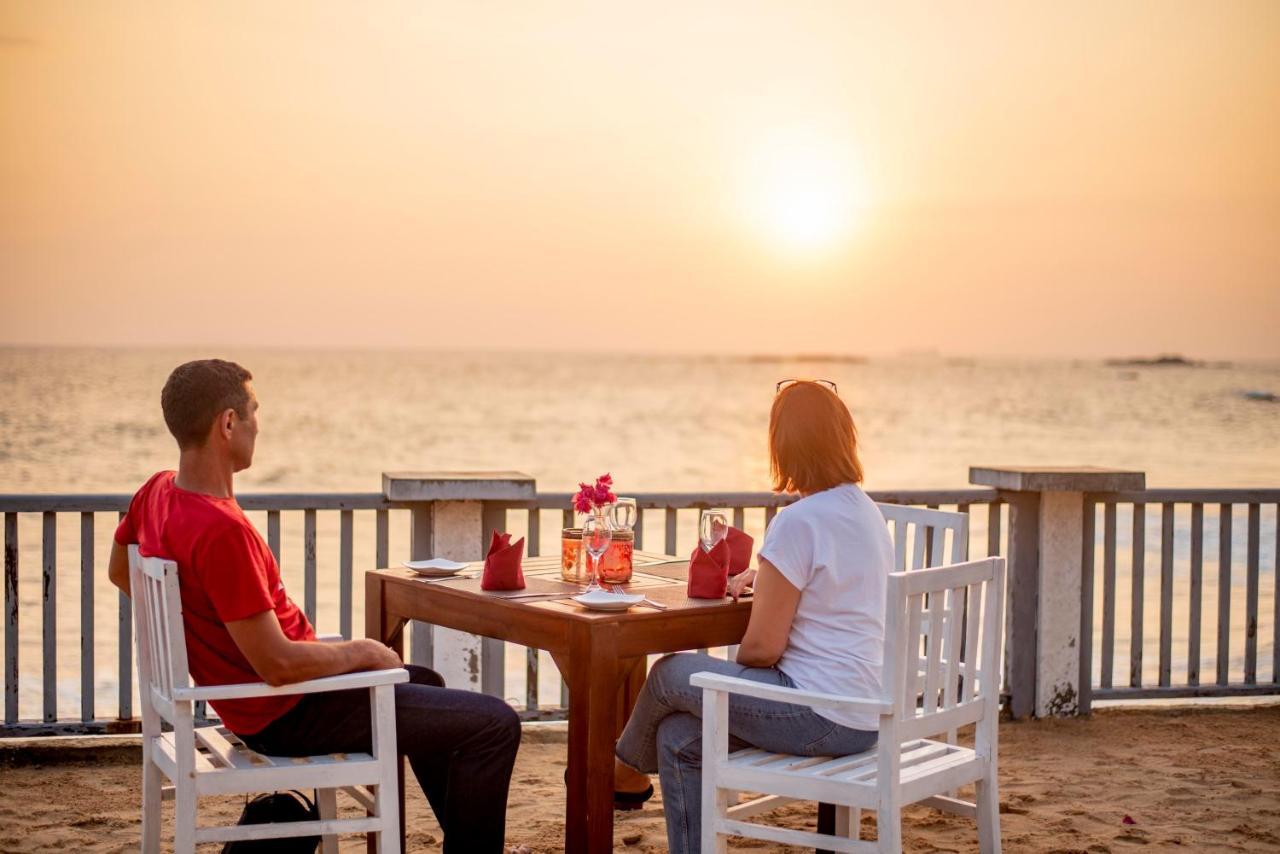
(631, 800)
(624, 800)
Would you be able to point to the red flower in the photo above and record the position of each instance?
(590, 497)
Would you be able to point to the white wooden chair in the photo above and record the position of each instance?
(906, 766)
(211, 760)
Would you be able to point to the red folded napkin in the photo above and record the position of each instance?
(709, 572)
(740, 543)
(502, 564)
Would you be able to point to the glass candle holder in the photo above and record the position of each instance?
(615, 563)
(572, 565)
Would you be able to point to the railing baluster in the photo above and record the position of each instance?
(1088, 547)
(1166, 593)
(1195, 593)
(739, 517)
(346, 535)
(124, 662)
(1108, 593)
(1275, 605)
(1224, 593)
(531, 679)
(1251, 598)
(993, 528)
(10, 618)
(566, 518)
(309, 565)
(671, 531)
(535, 532)
(931, 542)
(1137, 592)
(382, 538)
(769, 513)
(86, 617)
(49, 598)
(273, 533)
(639, 528)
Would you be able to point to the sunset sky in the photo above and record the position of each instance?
(1039, 179)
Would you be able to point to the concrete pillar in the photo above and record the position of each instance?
(1043, 622)
(452, 514)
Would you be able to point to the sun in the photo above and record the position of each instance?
(805, 195)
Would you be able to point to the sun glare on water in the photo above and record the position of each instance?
(805, 194)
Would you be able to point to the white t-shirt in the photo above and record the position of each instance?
(834, 546)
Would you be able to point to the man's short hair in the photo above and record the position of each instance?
(197, 392)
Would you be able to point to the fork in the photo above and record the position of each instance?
(617, 588)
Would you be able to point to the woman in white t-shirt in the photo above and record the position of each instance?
(817, 622)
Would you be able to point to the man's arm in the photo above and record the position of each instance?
(118, 567)
(280, 661)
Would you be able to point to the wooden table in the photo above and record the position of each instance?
(601, 655)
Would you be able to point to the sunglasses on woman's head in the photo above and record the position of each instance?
(777, 389)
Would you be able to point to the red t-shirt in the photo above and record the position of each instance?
(225, 573)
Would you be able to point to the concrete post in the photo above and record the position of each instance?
(1043, 620)
(451, 514)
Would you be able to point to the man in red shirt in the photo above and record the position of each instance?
(241, 626)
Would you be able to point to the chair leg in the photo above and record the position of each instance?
(327, 804)
(184, 820)
(387, 839)
(151, 807)
(889, 830)
(988, 799)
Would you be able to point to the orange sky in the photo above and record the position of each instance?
(1085, 179)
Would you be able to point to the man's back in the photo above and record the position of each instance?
(226, 573)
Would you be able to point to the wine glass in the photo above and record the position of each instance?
(596, 537)
(712, 528)
(625, 513)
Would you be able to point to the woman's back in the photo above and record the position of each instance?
(834, 547)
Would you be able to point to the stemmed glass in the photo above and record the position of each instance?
(712, 528)
(596, 537)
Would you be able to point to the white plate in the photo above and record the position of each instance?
(599, 600)
(436, 567)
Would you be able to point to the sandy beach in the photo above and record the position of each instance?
(1189, 779)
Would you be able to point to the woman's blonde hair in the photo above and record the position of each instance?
(813, 444)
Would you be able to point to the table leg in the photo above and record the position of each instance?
(593, 710)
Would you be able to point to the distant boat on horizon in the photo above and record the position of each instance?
(1165, 360)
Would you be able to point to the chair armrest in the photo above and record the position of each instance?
(814, 699)
(342, 682)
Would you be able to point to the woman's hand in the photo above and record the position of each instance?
(741, 582)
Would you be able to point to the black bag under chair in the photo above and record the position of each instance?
(273, 808)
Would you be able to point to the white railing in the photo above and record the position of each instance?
(1203, 618)
(320, 540)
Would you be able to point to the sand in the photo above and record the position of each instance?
(1187, 779)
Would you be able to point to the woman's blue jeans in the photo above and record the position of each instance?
(665, 734)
